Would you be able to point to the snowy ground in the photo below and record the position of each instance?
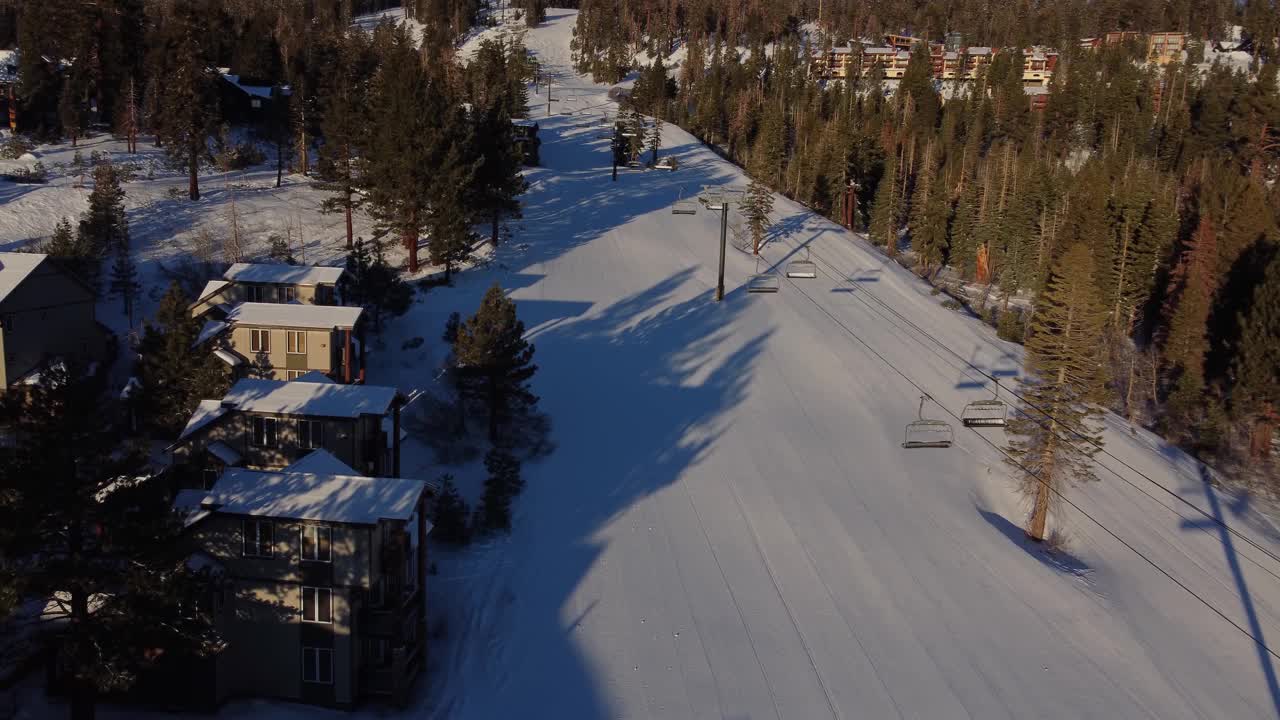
(730, 528)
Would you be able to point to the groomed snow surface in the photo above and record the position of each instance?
(729, 527)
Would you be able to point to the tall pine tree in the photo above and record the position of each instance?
(1052, 437)
(494, 363)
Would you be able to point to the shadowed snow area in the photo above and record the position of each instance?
(730, 527)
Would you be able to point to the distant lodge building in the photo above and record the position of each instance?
(963, 64)
(952, 61)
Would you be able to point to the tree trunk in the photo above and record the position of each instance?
(279, 164)
(193, 165)
(493, 239)
(493, 411)
(1039, 513)
(410, 240)
(346, 210)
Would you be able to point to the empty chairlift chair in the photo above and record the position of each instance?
(763, 282)
(925, 433)
(805, 269)
(683, 206)
(986, 413)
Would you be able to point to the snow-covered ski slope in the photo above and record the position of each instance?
(730, 528)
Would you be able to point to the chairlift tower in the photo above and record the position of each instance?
(717, 199)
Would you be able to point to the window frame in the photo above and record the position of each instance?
(269, 439)
(319, 531)
(260, 340)
(310, 434)
(295, 342)
(315, 664)
(257, 524)
(294, 374)
(286, 293)
(316, 594)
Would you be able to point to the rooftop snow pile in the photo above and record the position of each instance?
(307, 496)
(308, 398)
(282, 274)
(311, 317)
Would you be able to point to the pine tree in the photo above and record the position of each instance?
(496, 180)
(1052, 437)
(655, 141)
(124, 280)
(341, 126)
(175, 373)
(500, 488)
(186, 105)
(1192, 288)
(494, 364)
(370, 282)
(105, 226)
(886, 211)
(1256, 395)
(87, 529)
(759, 203)
(620, 148)
(72, 111)
(279, 129)
(73, 252)
(450, 516)
(535, 12)
(403, 144)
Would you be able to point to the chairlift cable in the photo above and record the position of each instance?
(1044, 423)
(1257, 640)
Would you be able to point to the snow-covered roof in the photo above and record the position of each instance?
(224, 452)
(1035, 90)
(210, 288)
(294, 315)
(321, 462)
(524, 122)
(880, 51)
(353, 499)
(228, 357)
(978, 50)
(188, 503)
(14, 268)
(308, 398)
(211, 329)
(206, 412)
(283, 274)
(314, 376)
(260, 91)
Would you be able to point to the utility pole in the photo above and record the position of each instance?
(718, 199)
(724, 231)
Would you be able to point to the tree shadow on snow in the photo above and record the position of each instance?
(639, 393)
(1056, 559)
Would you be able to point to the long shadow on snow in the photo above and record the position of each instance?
(1219, 525)
(639, 393)
(1057, 560)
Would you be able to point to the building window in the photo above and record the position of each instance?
(257, 293)
(296, 342)
(264, 432)
(317, 605)
(286, 294)
(317, 665)
(317, 543)
(310, 434)
(257, 538)
(294, 374)
(6, 322)
(260, 341)
(324, 295)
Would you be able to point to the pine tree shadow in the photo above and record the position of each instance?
(639, 392)
(1056, 559)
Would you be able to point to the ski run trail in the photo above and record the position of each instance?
(729, 526)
